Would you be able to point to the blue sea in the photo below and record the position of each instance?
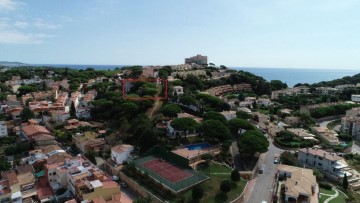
(291, 76)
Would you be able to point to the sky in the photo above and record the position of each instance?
(246, 33)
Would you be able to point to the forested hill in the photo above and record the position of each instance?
(332, 83)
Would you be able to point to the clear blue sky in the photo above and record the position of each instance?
(248, 33)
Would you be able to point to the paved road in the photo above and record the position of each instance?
(264, 182)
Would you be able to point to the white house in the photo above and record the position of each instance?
(3, 129)
(331, 164)
(264, 102)
(120, 153)
(355, 97)
(178, 90)
(229, 114)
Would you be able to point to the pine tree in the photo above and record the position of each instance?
(72, 110)
(345, 182)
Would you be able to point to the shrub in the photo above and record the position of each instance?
(225, 186)
(325, 185)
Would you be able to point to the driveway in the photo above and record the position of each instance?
(263, 187)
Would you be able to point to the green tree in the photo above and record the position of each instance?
(215, 130)
(277, 85)
(147, 140)
(288, 158)
(237, 124)
(187, 100)
(72, 110)
(225, 186)
(184, 124)
(26, 89)
(91, 154)
(213, 115)
(4, 165)
(26, 114)
(235, 175)
(197, 193)
(319, 176)
(242, 115)
(147, 199)
(252, 141)
(345, 182)
(170, 110)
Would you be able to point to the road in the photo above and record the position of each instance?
(262, 190)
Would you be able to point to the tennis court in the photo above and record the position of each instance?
(172, 176)
(167, 170)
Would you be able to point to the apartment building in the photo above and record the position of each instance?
(3, 129)
(219, 90)
(302, 133)
(300, 184)
(290, 92)
(183, 74)
(198, 59)
(326, 90)
(332, 165)
(351, 126)
(181, 67)
(345, 87)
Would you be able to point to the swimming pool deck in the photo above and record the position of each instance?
(186, 153)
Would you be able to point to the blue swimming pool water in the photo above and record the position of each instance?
(198, 146)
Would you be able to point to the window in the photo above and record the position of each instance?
(54, 173)
(320, 158)
(319, 164)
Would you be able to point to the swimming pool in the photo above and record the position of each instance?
(198, 146)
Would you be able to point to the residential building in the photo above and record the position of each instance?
(88, 141)
(300, 184)
(353, 112)
(172, 132)
(120, 153)
(229, 114)
(198, 59)
(183, 74)
(332, 165)
(326, 90)
(3, 129)
(118, 198)
(73, 124)
(10, 188)
(345, 87)
(289, 92)
(355, 98)
(181, 67)
(26, 178)
(75, 98)
(351, 126)
(37, 134)
(178, 90)
(302, 133)
(330, 136)
(219, 90)
(59, 116)
(292, 120)
(263, 102)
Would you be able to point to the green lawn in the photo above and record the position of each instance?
(339, 199)
(211, 187)
(325, 191)
(215, 168)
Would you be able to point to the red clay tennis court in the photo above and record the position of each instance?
(166, 170)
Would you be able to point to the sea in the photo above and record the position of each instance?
(291, 76)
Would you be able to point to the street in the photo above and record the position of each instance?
(264, 182)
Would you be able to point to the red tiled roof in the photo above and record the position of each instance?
(31, 130)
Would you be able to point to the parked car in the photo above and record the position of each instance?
(262, 168)
(123, 184)
(276, 159)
